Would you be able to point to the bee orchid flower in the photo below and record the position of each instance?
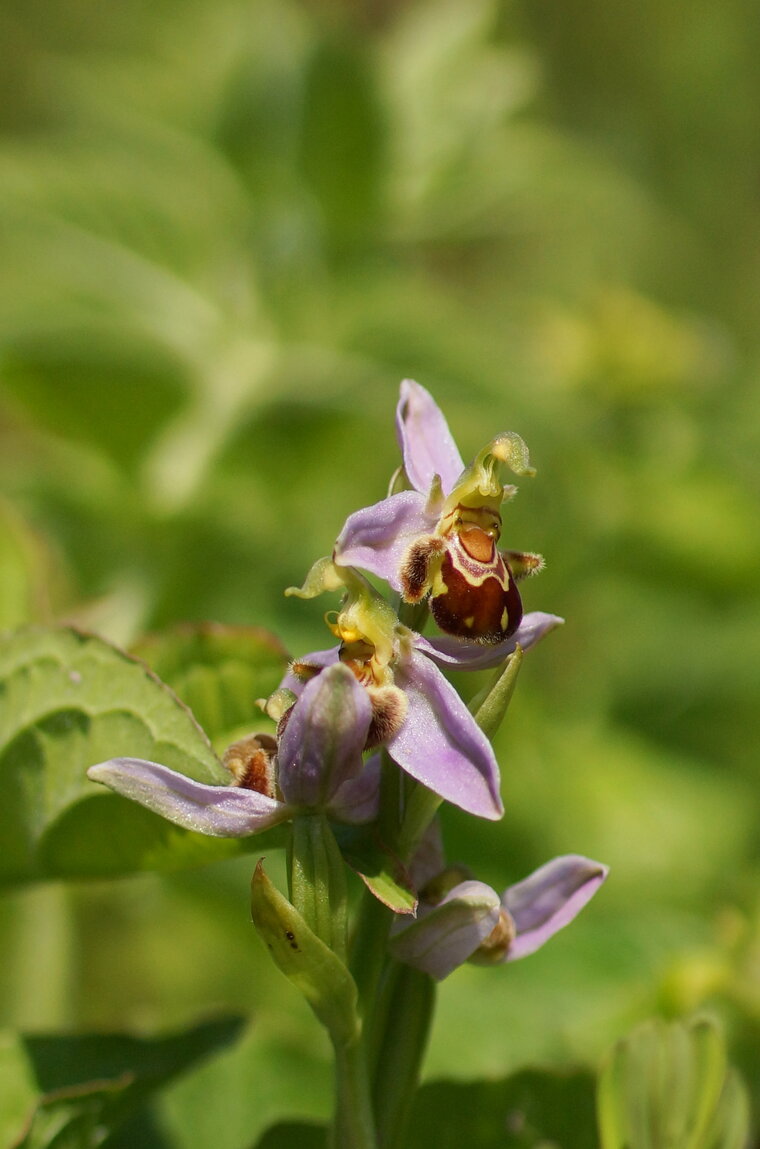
(438, 541)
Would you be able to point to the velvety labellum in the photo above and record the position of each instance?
(475, 597)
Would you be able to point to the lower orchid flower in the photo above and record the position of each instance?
(439, 540)
(460, 919)
(315, 764)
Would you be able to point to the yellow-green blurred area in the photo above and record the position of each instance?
(227, 231)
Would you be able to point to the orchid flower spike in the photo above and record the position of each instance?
(315, 764)
(439, 540)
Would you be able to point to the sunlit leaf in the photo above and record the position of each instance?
(68, 701)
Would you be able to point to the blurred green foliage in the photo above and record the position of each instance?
(227, 231)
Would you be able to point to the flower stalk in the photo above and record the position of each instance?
(370, 739)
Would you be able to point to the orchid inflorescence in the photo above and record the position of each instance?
(370, 736)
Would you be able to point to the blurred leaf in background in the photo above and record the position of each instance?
(227, 231)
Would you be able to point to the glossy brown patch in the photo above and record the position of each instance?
(487, 613)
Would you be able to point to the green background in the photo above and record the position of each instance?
(227, 231)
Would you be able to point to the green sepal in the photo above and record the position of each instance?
(318, 880)
(490, 704)
(382, 872)
(670, 1084)
(305, 960)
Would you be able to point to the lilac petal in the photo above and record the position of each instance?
(221, 811)
(464, 655)
(321, 746)
(377, 538)
(356, 800)
(550, 898)
(445, 935)
(427, 445)
(441, 745)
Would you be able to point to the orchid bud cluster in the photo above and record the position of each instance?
(370, 736)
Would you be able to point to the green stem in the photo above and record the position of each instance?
(402, 1026)
(353, 1126)
(369, 947)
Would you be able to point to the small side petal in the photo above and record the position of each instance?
(321, 746)
(376, 538)
(441, 745)
(445, 935)
(549, 899)
(427, 445)
(463, 655)
(220, 811)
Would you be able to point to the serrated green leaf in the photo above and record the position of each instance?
(67, 701)
(72, 1092)
(218, 671)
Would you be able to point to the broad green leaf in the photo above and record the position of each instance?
(219, 672)
(669, 1085)
(524, 1111)
(71, 1092)
(67, 701)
